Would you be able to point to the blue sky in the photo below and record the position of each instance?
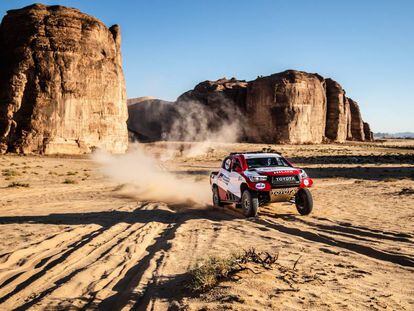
(169, 46)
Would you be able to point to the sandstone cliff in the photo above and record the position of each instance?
(357, 125)
(288, 107)
(337, 113)
(369, 136)
(62, 88)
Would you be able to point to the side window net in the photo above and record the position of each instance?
(226, 164)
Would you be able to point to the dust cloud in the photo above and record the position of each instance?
(205, 126)
(144, 177)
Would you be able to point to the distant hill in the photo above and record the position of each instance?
(394, 135)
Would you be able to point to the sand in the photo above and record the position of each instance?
(74, 239)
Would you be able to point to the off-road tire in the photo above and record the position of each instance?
(216, 198)
(304, 201)
(250, 204)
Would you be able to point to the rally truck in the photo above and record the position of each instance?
(252, 179)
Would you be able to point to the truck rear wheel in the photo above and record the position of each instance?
(304, 201)
(216, 198)
(250, 204)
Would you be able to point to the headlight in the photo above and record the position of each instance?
(257, 178)
(303, 174)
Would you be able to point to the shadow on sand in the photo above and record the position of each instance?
(357, 159)
(367, 173)
(124, 288)
(359, 239)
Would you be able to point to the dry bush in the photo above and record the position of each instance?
(406, 191)
(18, 184)
(9, 172)
(69, 181)
(210, 272)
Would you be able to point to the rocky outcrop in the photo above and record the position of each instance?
(357, 125)
(133, 101)
(369, 136)
(337, 113)
(288, 107)
(215, 94)
(62, 87)
(151, 119)
(348, 119)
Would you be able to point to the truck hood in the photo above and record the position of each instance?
(281, 171)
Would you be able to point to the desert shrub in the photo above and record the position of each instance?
(406, 191)
(9, 172)
(208, 273)
(390, 179)
(69, 181)
(71, 173)
(18, 184)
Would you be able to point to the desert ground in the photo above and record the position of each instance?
(72, 237)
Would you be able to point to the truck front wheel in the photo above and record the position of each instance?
(304, 201)
(250, 204)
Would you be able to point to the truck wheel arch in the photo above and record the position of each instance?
(243, 187)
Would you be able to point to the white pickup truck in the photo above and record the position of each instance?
(252, 179)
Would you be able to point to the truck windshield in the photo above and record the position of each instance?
(266, 162)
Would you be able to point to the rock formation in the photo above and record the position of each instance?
(348, 119)
(215, 93)
(357, 125)
(150, 119)
(369, 136)
(337, 113)
(62, 88)
(288, 107)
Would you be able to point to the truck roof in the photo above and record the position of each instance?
(257, 154)
(260, 155)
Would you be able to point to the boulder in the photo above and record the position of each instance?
(287, 107)
(62, 88)
(357, 125)
(337, 113)
(369, 136)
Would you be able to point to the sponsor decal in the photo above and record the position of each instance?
(287, 178)
(225, 178)
(260, 186)
(283, 172)
(283, 191)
